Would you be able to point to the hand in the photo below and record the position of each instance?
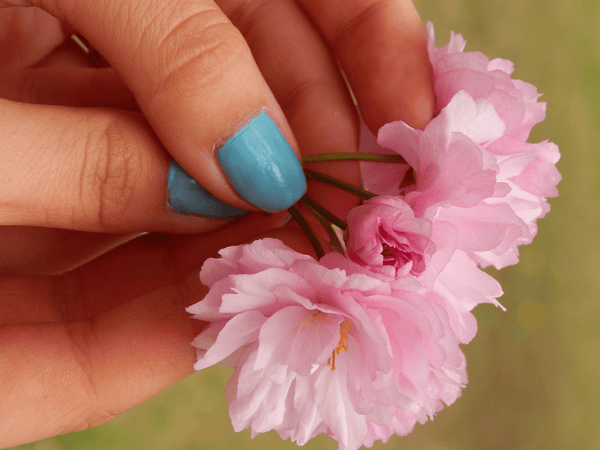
(81, 347)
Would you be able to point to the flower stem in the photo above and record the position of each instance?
(334, 239)
(314, 240)
(359, 192)
(353, 156)
(314, 206)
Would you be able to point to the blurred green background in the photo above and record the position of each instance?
(534, 370)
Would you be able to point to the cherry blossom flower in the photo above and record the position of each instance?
(529, 169)
(326, 347)
(455, 70)
(457, 180)
(385, 237)
(365, 346)
(495, 196)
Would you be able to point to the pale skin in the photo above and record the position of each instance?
(88, 171)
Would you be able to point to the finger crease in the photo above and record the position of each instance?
(349, 28)
(303, 88)
(247, 15)
(80, 334)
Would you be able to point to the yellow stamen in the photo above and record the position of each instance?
(345, 327)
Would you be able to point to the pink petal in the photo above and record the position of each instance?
(335, 407)
(298, 339)
(240, 330)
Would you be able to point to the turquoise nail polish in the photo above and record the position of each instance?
(262, 167)
(186, 196)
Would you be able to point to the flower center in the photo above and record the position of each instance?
(399, 254)
(345, 327)
(393, 256)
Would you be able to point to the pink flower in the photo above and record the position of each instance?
(457, 180)
(528, 169)
(361, 348)
(326, 347)
(495, 196)
(450, 165)
(455, 70)
(471, 165)
(385, 237)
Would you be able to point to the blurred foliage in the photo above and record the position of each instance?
(534, 369)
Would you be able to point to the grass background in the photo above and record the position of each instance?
(533, 370)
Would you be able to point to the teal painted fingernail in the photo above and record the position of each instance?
(262, 167)
(186, 196)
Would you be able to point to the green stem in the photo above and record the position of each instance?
(314, 240)
(359, 192)
(353, 157)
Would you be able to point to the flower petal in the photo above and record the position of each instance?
(240, 330)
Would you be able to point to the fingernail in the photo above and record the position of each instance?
(186, 196)
(262, 167)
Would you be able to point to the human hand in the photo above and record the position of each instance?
(78, 154)
(113, 332)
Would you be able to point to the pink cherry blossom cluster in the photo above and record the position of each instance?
(364, 345)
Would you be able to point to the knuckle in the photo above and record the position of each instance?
(199, 49)
(110, 174)
(83, 338)
(249, 16)
(303, 92)
(362, 25)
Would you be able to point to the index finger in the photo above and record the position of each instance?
(382, 47)
(196, 81)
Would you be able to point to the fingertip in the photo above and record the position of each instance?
(262, 166)
(186, 196)
(404, 90)
(420, 109)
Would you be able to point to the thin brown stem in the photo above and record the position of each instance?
(334, 239)
(314, 240)
(314, 206)
(354, 157)
(355, 190)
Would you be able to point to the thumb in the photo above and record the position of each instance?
(199, 87)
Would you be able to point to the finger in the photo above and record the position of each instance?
(99, 360)
(92, 370)
(95, 170)
(47, 251)
(308, 85)
(198, 85)
(28, 34)
(382, 47)
(74, 52)
(141, 265)
(67, 86)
